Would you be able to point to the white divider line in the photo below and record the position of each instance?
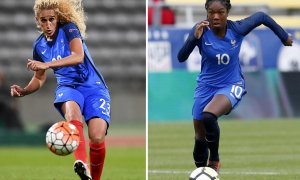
(268, 173)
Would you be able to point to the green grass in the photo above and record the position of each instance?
(124, 162)
(35, 163)
(260, 150)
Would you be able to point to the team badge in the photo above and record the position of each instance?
(233, 41)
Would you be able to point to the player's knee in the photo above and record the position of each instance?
(97, 138)
(211, 126)
(200, 133)
(72, 115)
(97, 129)
(209, 120)
(199, 130)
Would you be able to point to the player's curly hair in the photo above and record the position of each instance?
(67, 10)
(226, 3)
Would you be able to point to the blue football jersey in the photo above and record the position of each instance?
(81, 74)
(220, 56)
(220, 59)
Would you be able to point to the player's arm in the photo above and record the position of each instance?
(76, 57)
(35, 84)
(190, 43)
(246, 25)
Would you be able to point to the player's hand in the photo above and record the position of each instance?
(36, 65)
(289, 41)
(17, 91)
(199, 28)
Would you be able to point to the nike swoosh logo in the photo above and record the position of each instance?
(208, 44)
(43, 52)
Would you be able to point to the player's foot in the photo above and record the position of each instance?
(200, 164)
(82, 170)
(214, 165)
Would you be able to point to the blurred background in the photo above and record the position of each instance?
(116, 41)
(271, 70)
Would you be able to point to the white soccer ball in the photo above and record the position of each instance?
(62, 138)
(204, 173)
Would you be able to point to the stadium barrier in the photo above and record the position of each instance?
(21, 138)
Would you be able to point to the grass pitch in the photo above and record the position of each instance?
(123, 161)
(27, 163)
(260, 150)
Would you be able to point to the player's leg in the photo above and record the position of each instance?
(97, 131)
(200, 152)
(73, 114)
(97, 114)
(69, 103)
(218, 106)
(223, 102)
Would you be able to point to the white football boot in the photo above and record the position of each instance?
(82, 170)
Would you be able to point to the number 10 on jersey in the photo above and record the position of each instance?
(223, 59)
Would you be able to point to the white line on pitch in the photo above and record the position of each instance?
(222, 172)
(168, 172)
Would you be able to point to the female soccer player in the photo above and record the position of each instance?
(81, 92)
(220, 85)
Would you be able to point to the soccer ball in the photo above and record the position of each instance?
(204, 173)
(62, 138)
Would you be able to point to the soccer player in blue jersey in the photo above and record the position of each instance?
(220, 84)
(81, 92)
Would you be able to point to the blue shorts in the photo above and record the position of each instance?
(93, 101)
(204, 94)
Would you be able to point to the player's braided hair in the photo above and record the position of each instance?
(67, 10)
(226, 3)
